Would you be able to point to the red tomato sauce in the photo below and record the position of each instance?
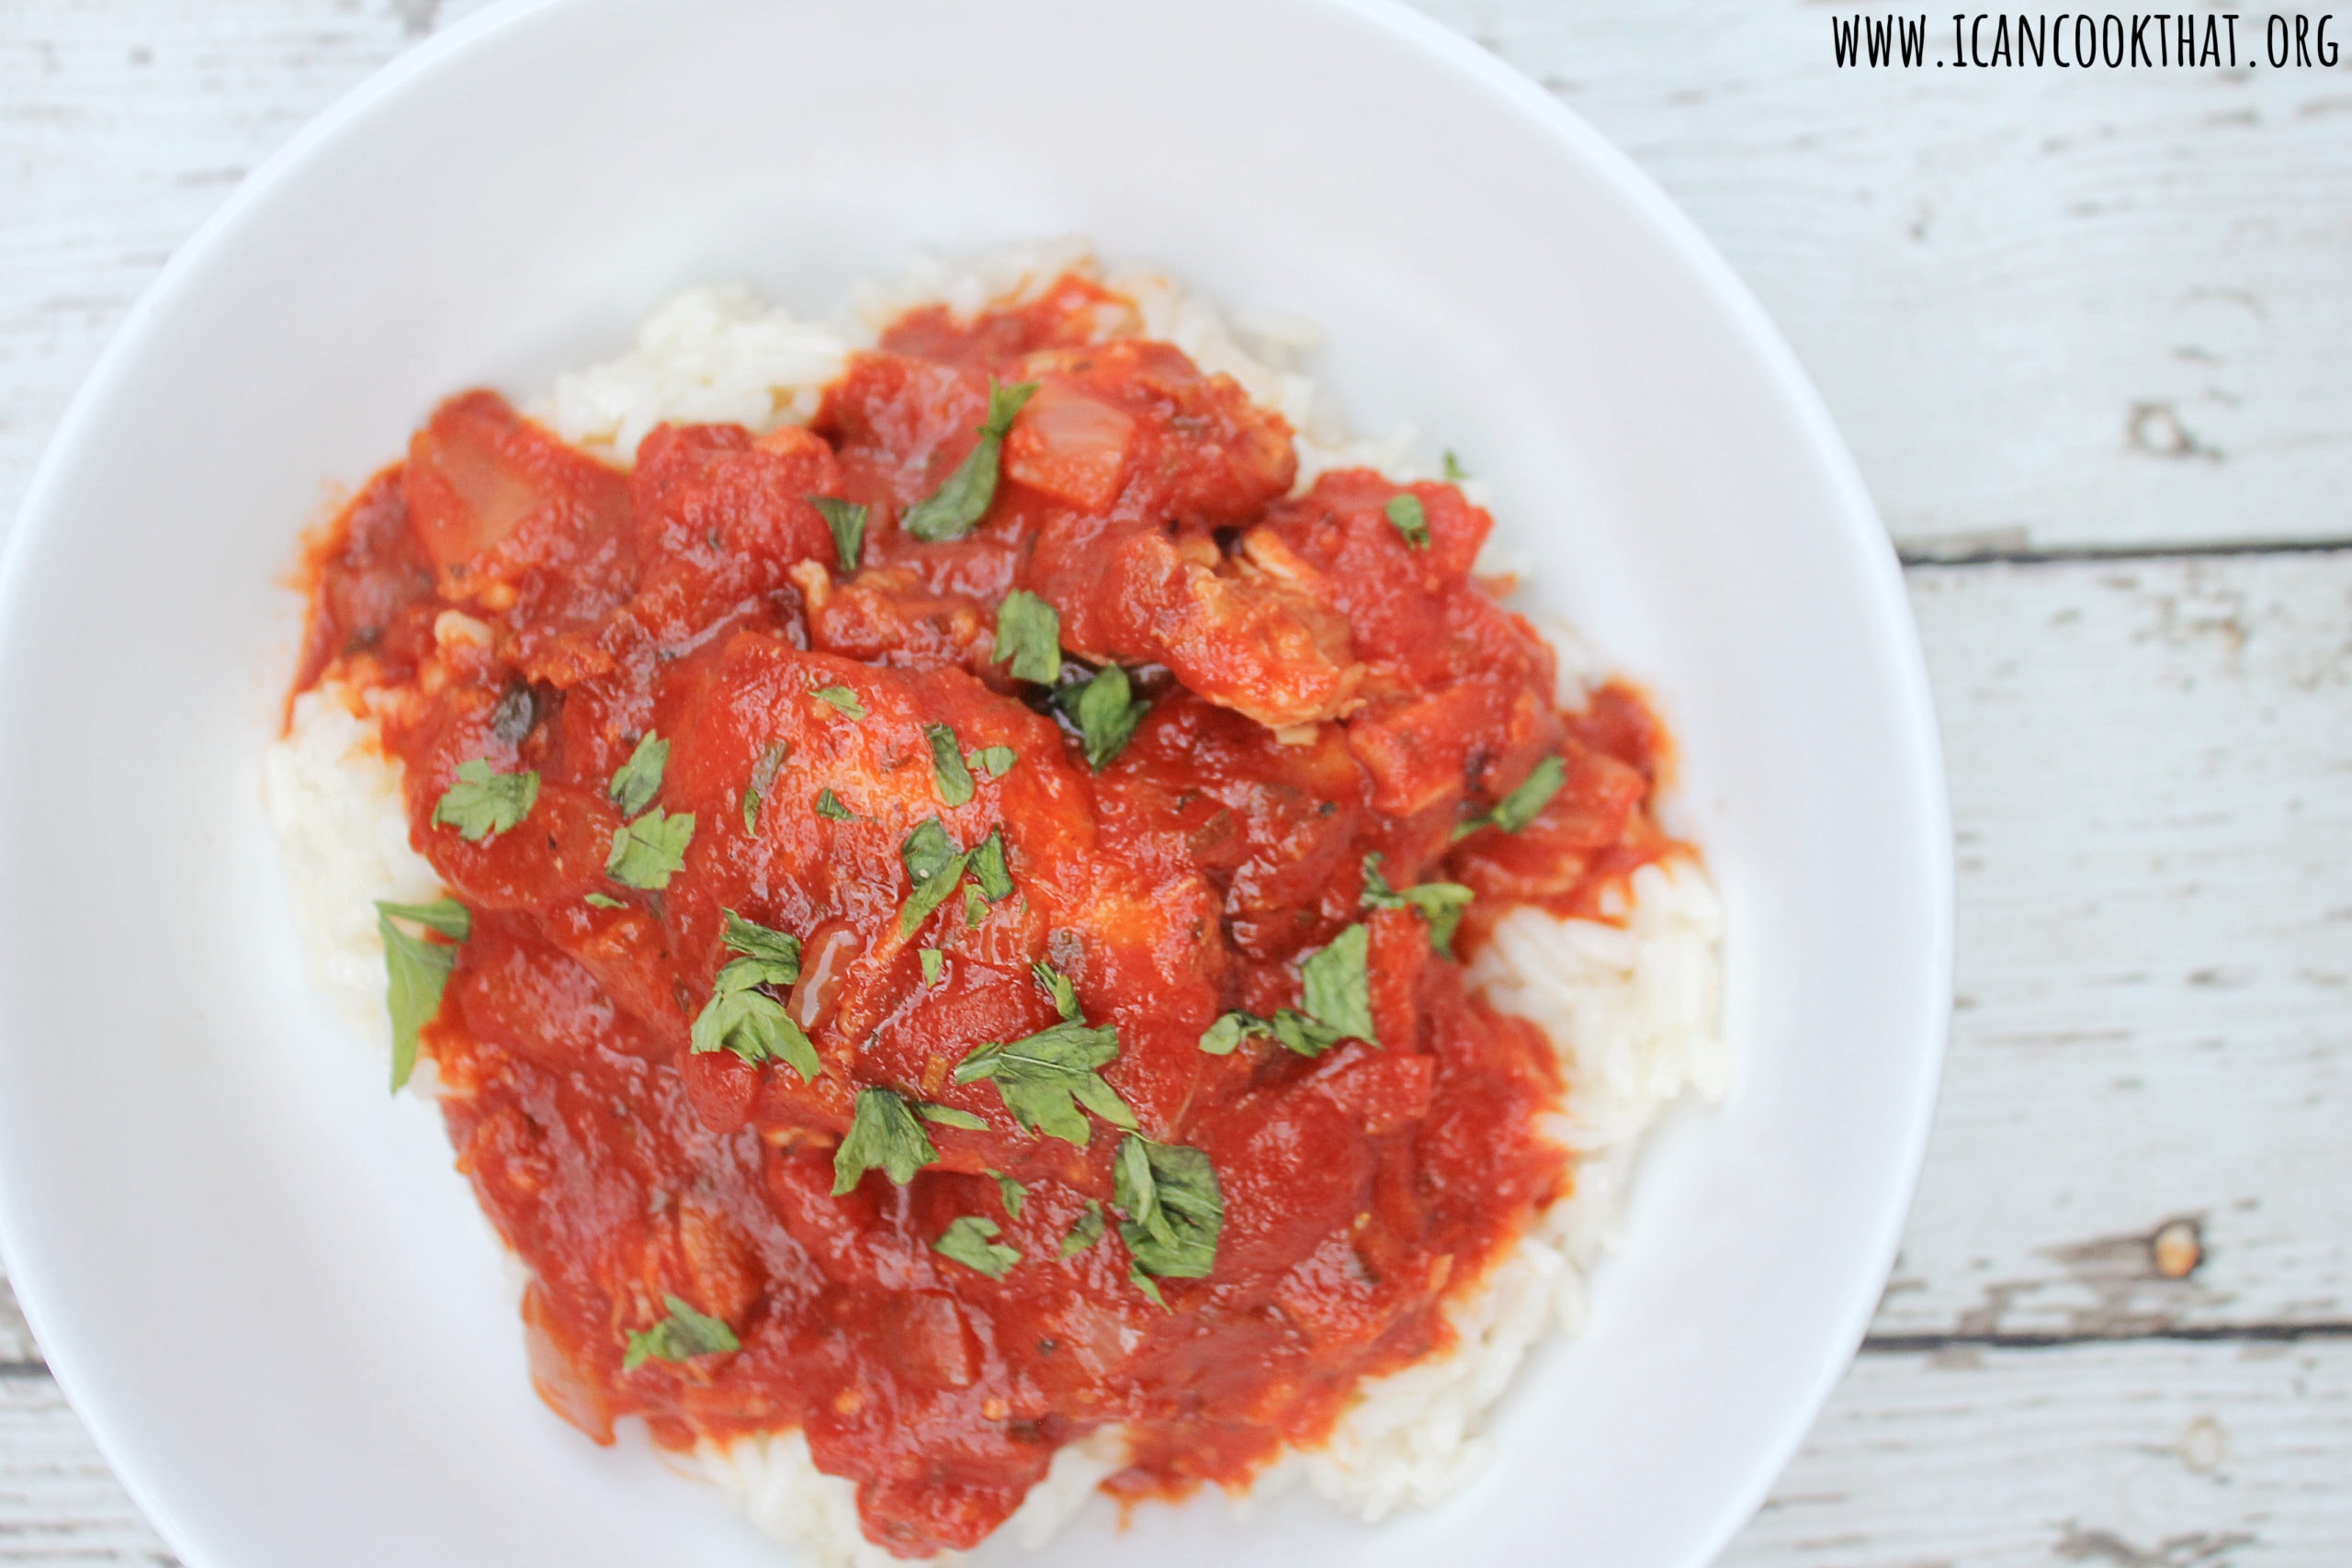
(1321, 687)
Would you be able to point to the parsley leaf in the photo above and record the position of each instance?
(680, 1336)
(416, 971)
(651, 850)
(640, 779)
(1221, 1038)
(948, 1116)
(1406, 512)
(1045, 1079)
(1143, 1281)
(994, 761)
(1441, 903)
(963, 498)
(1523, 804)
(976, 906)
(948, 769)
(842, 700)
(934, 866)
(1105, 716)
(971, 1241)
(1029, 633)
(1011, 1191)
(1455, 472)
(762, 778)
(1058, 987)
(1085, 1231)
(778, 951)
(988, 866)
(933, 962)
(848, 524)
(1338, 985)
(1306, 1036)
(747, 1020)
(885, 1136)
(830, 805)
(482, 804)
(1174, 1208)
(603, 901)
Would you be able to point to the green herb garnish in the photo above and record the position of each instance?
(935, 866)
(1441, 903)
(948, 1116)
(482, 804)
(1029, 633)
(603, 901)
(680, 1336)
(1085, 1231)
(640, 779)
(1058, 987)
(848, 523)
(1013, 1193)
(777, 952)
(971, 1241)
(842, 700)
(1337, 985)
(1406, 512)
(1045, 1079)
(989, 869)
(933, 962)
(416, 971)
(830, 805)
(883, 1136)
(1173, 1207)
(648, 852)
(1523, 804)
(1455, 472)
(948, 769)
(962, 499)
(1222, 1038)
(764, 774)
(1104, 713)
(994, 761)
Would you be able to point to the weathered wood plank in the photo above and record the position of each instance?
(2047, 307)
(16, 1347)
(59, 1503)
(2151, 1455)
(2151, 780)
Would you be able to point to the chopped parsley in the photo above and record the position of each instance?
(962, 499)
(1013, 1193)
(976, 906)
(744, 1019)
(1441, 903)
(1455, 472)
(829, 804)
(935, 866)
(1523, 804)
(1338, 983)
(1029, 633)
(764, 774)
(971, 1241)
(640, 779)
(1058, 987)
(416, 971)
(948, 1116)
(1085, 1231)
(482, 804)
(1221, 1038)
(948, 769)
(884, 1136)
(1174, 1208)
(842, 700)
(1045, 1079)
(603, 901)
(1104, 713)
(933, 962)
(681, 1337)
(848, 523)
(648, 852)
(779, 952)
(989, 869)
(1411, 519)
(994, 761)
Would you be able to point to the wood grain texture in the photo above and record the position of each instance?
(2049, 309)
(2153, 1455)
(60, 1504)
(2152, 778)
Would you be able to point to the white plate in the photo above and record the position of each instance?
(260, 1281)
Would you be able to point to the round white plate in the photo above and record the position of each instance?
(260, 1281)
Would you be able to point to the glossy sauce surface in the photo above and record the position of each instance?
(1321, 688)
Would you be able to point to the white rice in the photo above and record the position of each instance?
(1633, 1008)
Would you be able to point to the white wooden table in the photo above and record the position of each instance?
(2090, 335)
